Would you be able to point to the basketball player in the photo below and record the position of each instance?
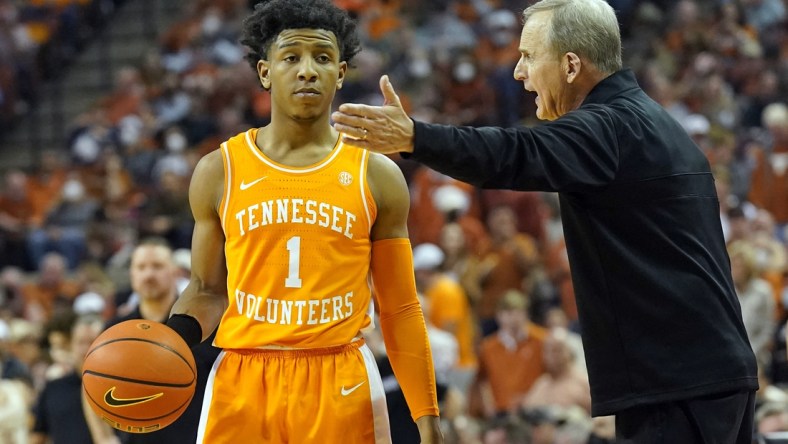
(291, 224)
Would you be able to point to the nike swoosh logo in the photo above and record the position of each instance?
(346, 392)
(112, 401)
(245, 186)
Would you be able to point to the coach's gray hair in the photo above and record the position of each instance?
(588, 28)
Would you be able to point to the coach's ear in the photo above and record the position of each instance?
(263, 73)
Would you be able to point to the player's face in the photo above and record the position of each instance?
(303, 72)
(540, 70)
(152, 272)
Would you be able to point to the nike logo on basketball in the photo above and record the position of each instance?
(112, 401)
(346, 392)
(245, 186)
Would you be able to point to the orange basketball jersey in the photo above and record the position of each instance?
(297, 248)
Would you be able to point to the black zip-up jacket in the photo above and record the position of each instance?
(659, 316)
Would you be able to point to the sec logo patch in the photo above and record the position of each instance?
(345, 178)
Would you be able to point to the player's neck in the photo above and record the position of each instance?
(296, 143)
(295, 134)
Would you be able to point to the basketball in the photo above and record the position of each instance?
(139, 376)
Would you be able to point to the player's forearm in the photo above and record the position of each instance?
(203, 305)
(409, 351)
(402, 324)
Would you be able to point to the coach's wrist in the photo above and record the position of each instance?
(187, 327)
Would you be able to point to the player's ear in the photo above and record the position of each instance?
(263, 72)
(341, 76)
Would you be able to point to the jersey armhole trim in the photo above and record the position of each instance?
(228, 176)
(364, 187)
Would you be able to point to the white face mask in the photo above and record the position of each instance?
(86, 148)
(176, 142)
(779, 163)
(211, 24)
(464, 72)
(73, 190)
(420, 68)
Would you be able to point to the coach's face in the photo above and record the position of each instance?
(542, 71)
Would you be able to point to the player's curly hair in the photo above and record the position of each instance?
(270, 17)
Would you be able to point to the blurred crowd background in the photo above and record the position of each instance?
(491, 265)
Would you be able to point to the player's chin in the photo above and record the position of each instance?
(306, 116)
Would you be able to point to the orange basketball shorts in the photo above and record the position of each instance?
(325, 395)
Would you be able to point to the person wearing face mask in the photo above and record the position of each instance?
(175, 159)
(662, 330)
(469, 99)
(65, 226)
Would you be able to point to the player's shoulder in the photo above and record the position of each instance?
(385, 179)
(210, 165)
(383, 170)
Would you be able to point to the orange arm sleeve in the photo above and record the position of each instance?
(402, 324)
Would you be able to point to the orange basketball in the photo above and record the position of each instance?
(139, 376)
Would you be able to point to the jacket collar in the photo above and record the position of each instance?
(612, 86)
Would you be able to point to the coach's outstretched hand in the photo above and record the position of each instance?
(384, 129)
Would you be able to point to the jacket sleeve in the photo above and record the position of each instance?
(569, 154)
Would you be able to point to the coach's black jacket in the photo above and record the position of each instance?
(659, 316)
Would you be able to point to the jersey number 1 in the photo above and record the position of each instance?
(294, 248)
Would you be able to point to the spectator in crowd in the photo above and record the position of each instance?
(57, 339)
(449, 308)
(10, 366)
(16, 216)
(25, 344)
(50, 290)
(167, 213)
(14, 405)
(529, 209)
(460, 263)
(12, 299)
(562, 384)
(64, 229)
(510, 361)
(426, 218)
(769, 188)
(508, 264)
(555, 317)
(59, 418)
(756, 298)
(508, 429)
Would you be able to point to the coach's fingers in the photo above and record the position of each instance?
(351, 125)
(385, 129)
(389, 95)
